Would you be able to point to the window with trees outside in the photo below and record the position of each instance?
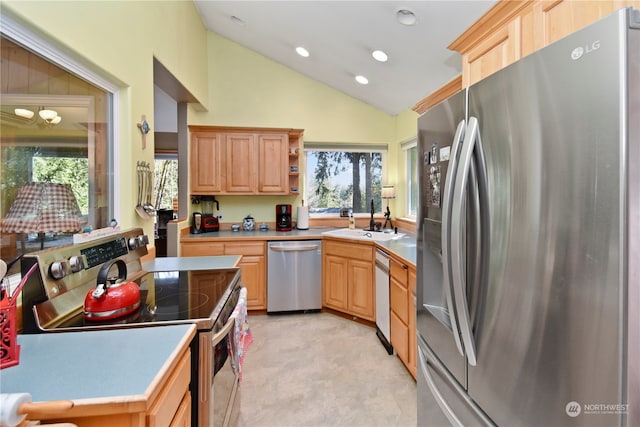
(55, 138)
(348, 178)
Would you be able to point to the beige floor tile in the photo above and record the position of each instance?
(322, 370)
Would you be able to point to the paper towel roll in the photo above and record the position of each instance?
(10, 414)
(303, 218)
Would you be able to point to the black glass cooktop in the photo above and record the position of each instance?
(197, 296)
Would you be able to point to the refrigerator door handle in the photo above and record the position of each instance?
(446, 232)
(440, 400)
(457, 238)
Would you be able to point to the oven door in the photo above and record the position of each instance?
(224, 380)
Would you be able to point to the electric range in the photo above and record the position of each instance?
(53, 297)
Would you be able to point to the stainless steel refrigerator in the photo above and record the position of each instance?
(528, 293)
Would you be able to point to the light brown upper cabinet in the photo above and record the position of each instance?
(235, 160)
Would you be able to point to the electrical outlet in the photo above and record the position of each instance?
(219, 217)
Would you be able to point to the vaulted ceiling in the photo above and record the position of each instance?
(341, 35)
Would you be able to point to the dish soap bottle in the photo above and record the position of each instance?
(352, 222)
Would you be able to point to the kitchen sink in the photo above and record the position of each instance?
(377, 236)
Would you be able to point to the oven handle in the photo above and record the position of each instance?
(222, 333)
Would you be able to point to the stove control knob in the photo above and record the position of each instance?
(143, 240)
(77, 263)
(133, 243)
(59, 269)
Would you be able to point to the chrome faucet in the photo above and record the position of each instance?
(372, 223)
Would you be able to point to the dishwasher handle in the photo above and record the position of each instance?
(297, 248)
(383, 267)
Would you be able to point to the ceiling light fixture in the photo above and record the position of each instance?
(379, 55)
(302, 51)
(22, 112)
(50, 117)
(362, 80)
(406, 17)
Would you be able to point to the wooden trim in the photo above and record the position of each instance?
(495, 18)
(219, 129)
(349, 317)
(451, 87)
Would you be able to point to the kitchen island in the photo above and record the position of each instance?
(124, 377)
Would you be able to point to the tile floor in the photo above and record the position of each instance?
(322, 370)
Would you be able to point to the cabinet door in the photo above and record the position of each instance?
(241, 163)
(361, 296)
(399, 337)
(253, 277)
(555, 19)
(335, 282)
(413, 350)
(399, 300)
(205, 159)
(492, 54)
(273, 163)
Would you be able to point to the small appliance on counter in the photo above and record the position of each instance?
(196, 223)
(283, 217)
(205, 221)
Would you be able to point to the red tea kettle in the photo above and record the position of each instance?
(112, 297)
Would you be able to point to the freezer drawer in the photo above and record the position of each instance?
(294, 276)
(441, 399)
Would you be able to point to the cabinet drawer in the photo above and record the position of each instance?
(349, 250)
(171, 397)
(244, 248)
(398, 271)
(202, 249)
(398, 299)
(399, 337)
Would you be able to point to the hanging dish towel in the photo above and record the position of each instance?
(241, 335)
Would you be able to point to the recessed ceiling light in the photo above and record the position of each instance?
(406, 17)
(362, 80)
(237, 20)
(379, 55)
(302, 51)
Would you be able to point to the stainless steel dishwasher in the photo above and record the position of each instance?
(294, 275)
(383, 321)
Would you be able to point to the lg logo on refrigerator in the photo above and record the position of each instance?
(578, 52)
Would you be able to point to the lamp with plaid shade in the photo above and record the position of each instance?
(42, 207)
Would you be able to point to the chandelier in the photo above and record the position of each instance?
(49, 117)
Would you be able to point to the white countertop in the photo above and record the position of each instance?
(94, 365)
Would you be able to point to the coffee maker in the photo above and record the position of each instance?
(283, 217)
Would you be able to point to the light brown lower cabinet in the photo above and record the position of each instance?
(348, 278)
(253, 265)
(167, 405)
(402, 279)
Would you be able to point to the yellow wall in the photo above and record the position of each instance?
(119, 41)
(248, 89)
(237, 87)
